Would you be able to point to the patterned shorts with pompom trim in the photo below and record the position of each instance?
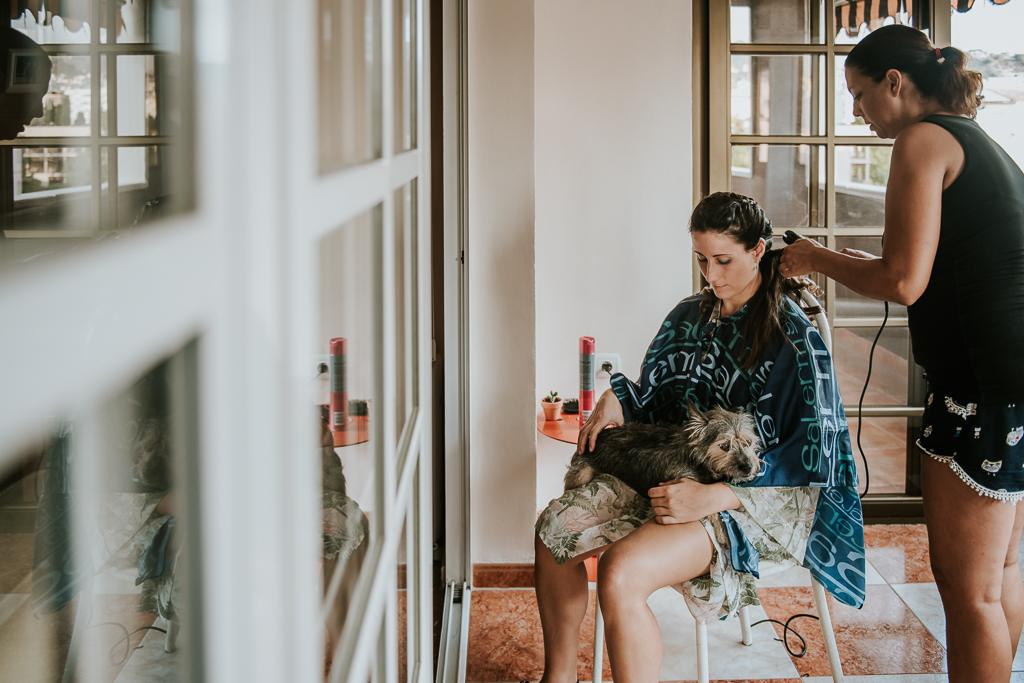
(980, 442)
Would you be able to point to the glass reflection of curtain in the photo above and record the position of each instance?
(73, 12)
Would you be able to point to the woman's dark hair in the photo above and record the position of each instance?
(942, 76)
(739, 217)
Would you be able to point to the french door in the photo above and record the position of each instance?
(214, 193)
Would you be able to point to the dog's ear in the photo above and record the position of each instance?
(697, 420)
(695, 414)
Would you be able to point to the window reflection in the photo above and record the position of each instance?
(93, 140)
(349, 108)
(93, 542)
(345, 387)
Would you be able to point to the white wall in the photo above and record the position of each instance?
(594, 95)
(614, 173)
(502, 315)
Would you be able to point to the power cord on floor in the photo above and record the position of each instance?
(860, 404)
(126, 638)
(786, 629)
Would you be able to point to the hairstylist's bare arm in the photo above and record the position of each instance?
(925, 158)
(608, 411)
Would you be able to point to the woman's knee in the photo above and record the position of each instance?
(620, 577)
(962, 589)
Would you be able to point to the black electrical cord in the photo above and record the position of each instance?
(786, 628)
(860, 404)
(125, 639)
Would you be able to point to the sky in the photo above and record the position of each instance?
(993, 28)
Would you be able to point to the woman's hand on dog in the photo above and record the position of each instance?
(608, 411)
(684, 500)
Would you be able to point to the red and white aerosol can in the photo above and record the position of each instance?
(587, 348)
(339, 385)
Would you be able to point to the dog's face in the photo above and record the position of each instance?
(728, 441)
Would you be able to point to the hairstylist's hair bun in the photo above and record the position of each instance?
(939, 73)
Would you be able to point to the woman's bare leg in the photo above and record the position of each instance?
(562, 597)
(652, 557)
(1013, 586)
(969, 536)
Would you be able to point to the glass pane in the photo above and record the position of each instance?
(861, 174)
(771, 95)
(144, 184)
(849, 304)
(846, 122)
(406, 578)
(990, 34)
(406, 312)
(67, 104)
(138, 21)
(774, 21)
(144, 83)
(50, 23)
(149, 21)
(345, 396)
(51, 172)
(854, 20)
(889, 368)
(94, 541)
(778, 177)
(404, 42)
(885, 442)
(349, 73)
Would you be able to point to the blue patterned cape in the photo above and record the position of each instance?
(794, 398)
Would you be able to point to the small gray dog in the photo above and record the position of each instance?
(719, 445)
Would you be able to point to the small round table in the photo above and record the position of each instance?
(566, 429)
(358, 432)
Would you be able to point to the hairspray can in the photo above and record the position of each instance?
(339, 385)
(586, 378)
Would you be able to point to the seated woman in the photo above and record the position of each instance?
(741, 344)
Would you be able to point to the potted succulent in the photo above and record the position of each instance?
(552, 406)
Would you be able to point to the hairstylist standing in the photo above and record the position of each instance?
(954, 254)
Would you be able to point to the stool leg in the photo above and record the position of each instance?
(598, 641)
(748, 636)
(171, 639)
(821, 604)
(702, 653)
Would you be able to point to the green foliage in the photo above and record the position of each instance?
(879, 167)
(741, 156)
(552, 397)
(995, 64)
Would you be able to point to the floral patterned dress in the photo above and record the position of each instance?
(802, 508)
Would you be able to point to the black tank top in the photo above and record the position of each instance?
(967, 329)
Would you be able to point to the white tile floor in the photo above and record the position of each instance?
(728, 656)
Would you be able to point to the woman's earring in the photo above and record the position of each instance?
(757, 266)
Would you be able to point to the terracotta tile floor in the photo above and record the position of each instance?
(898, 637)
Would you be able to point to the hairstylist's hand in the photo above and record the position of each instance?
(684, 500)
(798, 258)
(608, 411)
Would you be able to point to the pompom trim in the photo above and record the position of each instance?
(1001, 496)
